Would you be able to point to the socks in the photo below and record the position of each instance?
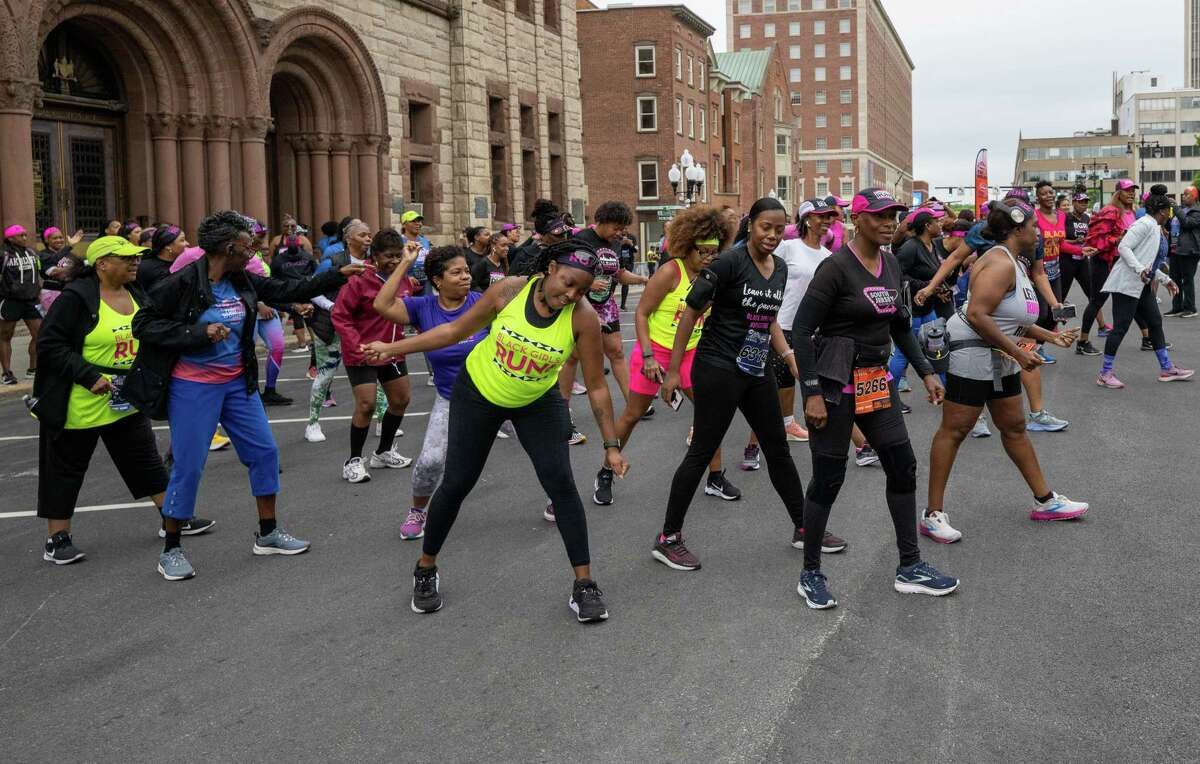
(787, 420)
(358, 439)
(266, 527)
(1044, 499)
(1109, 360)
(172, 541)
(387, 431)
(1164, 358)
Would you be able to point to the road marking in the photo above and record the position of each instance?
(94, 508)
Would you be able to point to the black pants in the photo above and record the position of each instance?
(1045, 313)
(1097, 298)
(624, 295)
(1183, 273)
(542, 427)
(1075, 272)
(719, 393)
(1143, 309)
(64, 456)
(886, 433)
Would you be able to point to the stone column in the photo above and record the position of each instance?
(340, 168)
(383, 164)
(217, 130)
(16, 153)
(191, 152)
(254, 166)
(164, 131)
(367, 149)
(303, 181)
(318, 150)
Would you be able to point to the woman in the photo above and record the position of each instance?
(131, 231)
(1077, 264)
(991, 339)
(533, 324)
(87, 348)
(59, 265)
(112, 229)
(697, 235)
(196, 367)
(20, 285)
(479, 244)
(744, 287)
(168, 244)
(836, 235)
(1105, 231)
(854, 302)
(919, 257)
(357, 324)
(291, 228)
(1129, 283)
(446, 268)
(492, 268)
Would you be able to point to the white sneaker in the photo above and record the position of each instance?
(980, 430)
(313, 434)
(429, 381)
(937, 527)
(355, 471)
(506, 431)
(578, 389)
(389, 459)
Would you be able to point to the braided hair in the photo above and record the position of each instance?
(220, 229)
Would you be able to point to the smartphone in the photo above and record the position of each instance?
(1065, 313)
(676, 400)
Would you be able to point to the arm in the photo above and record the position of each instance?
(698, 300)
(1133, 238)
(155, 325)
(590, 348)
(1041, 283)
(989, 283)
(1190, 220)
(345, 312)
(657, 288)
(814, 308)
(386, 303)
(630, 278)
(300, 290)
(55, 345)
(956, 258)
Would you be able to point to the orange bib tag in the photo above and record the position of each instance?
(1027, 345)
(871, 391)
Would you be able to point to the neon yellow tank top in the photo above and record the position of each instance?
(665, 319)
(109, 345)
(518, 362)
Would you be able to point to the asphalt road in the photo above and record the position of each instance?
(1066, 642)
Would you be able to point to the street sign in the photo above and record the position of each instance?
(667, 212)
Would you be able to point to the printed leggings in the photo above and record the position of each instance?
(431, 463)
(329, 357)
(271, 333)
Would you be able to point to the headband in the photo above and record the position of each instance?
(581, 259)
(50, 232)
(708, 242)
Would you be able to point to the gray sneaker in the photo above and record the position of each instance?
(980, 430)
(1044, 421)
(279, 541)
(174, 565)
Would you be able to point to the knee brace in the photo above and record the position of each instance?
(900, 465)
(828, 475)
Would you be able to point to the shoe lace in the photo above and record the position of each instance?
(590, 591)
(425, 579)
(926, 569)
(815, 580)
(414, 516)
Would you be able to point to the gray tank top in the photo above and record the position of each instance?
(1018, 310)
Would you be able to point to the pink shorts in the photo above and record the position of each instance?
(642, 386)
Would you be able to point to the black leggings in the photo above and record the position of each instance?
(719, 393)
(886, 433)
(1143, 309)
(542, 428)
(1097, 298)
(1045, 313)
(1075, 272)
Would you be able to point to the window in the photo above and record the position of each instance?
(744, 7)
(822, 144)
(1157, 152)
(845, 120)
(822, 188)
(1189, 102)
(737, 128)
(691, 64)
(793, 5)
(847, 189)
(793, 51)
(550, 11)
(819, 98)
(647, 110)
(781, 145)
(846, 96)
(847, 166)
(703, 68)
(691, 120)
(679, 115)
(819, 74)
(647, 180)
(819, 51)
(844, 72)
(768, 6)
(818, 27)
(822, 166)
(818, 5)
(845, 3)
(524, 8)
(1189, 127)
(644, 60)
(1156, 104)
(820, 121)
(781, 187)
(844, 26)
(794, 75)
(702, 111)
(793, 27)
(1156, 128)
(1159, 176)
(758, 142)
(796, 98)
(744, 31)
(716, 123)
(847, 142)
(844, 49)
(679, 64)
(1189, 151)
(778, 107)
(768, 30)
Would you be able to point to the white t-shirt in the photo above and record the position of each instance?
(802, 262)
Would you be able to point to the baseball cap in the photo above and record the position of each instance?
(815, 207)
(1124, 184)
(1017, 193)
(874, 200)
(1081, 198)
(112, 245)
(923, 213)
(836, 201)
(410, 216)
(509, 227)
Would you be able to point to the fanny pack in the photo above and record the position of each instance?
(997, 353)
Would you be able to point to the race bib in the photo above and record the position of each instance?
(1052, 268)
(116, 399)
(871, 391)
(752, 358)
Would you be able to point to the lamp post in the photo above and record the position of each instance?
(1156, 152)
(687, 178)
(1094, 175)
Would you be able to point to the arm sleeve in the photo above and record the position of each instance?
(814, 307)
(344, 311)
(152, 324)
(414, 317)
(720, 272)
(1190, 220)
(322, 302)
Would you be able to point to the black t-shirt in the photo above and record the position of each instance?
(610, 263)
(1077, 229)
(737, 334)
(521, 259)
(485, 273)
(473, 258)
(152, 270)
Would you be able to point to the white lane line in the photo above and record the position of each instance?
(342, 376)
(94, 508)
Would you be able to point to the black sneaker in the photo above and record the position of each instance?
(718, 485)
(193, 527)
(8, 378)
(603, 487)
(426, 597)
(1188, 314)
(830, 544)
(1085, 347)
(587, 601)
(60, 550)
(1148, 345)
(272, 398)
(649, 412)
(1172, 313)
(905, 408)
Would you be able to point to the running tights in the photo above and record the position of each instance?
(1143, 309)
(271, 333)
(328, 357)
(719, 394)
(542, 428)
(1097, 297)
(431, 462)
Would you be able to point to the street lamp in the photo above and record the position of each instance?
(674, 177)
(1095, 168)
(692, 176)
(1156, 152)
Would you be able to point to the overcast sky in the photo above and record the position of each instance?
(1053, 61)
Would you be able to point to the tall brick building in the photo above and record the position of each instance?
(171, 108)
(851, 79)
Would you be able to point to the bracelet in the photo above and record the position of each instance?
(648, 355)
(789, 353)
(612, 444)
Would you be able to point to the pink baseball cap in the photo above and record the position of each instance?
(836, 201)
(874, 200)
(13, 230)
(1124, 184)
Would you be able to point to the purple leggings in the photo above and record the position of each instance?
(271, 333)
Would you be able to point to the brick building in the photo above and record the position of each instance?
(851, 79)
(169, 109)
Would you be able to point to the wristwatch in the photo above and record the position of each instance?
(612, 444)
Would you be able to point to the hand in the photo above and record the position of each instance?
(1147, 275)
(652, 371)
(933, 386)
(1089, 251)
(303, 308)
(265, 312)
(56, 272)
(217, 332)
(944, 294)
(1172, 288)
(75, 238)
(102, 387)
(352, 270)
(669, 386)
(1066, 338)
(376, 351)
(616, 461)
(1028, 361)
(814, 412)
(922, 296)
(412, 250)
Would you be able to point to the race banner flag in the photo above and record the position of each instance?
(981, 182)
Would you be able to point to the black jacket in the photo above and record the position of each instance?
(151, 271)
(1189, 232)
(60, 348)
(170, 326)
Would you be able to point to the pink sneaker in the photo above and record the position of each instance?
(1175, 374)
(796, 433)
(329, 403)
(1109, 380)
(414, 524)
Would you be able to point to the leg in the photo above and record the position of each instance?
(828, 447)
(328, 357)
(888, 435)
(245, 420)
(271, 333)
(615, 352)
(1098, 270)
(1008, 415)
(957, 421)
(6, 334)
(427, 472)
(1187, 282)
(757, 405)
(1032, 382)
(397, 392)
(63, 459)
(1124, 308)
(193, 411)
(1175, 266)
(34, 326)
(360, 420)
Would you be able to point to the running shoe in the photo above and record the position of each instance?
(1188, 314)
(1175, 374)
(300, 350)
(796, 433)
(865, 456)
(578, 389)
(1046, 357)
(1174, 313)
(60, 549)
(830, 544)
(902, 386)
(923, 578)
(390, 459)
(980, 430)
(1104, 330)
(1109, 380)
(548, 512)
(30, 373)
(329, 403)
(814, 588)
(174, 565)
(1057, 508)
(413, 526)
(670, 551)
(1085, 347)
(936, 525)
(718, 486)
(429, 381)
(750, 461)
(279, 541)
(8, 378)
(649, 412)
(905, 408)
(272, 398)
(219, 442)
(602, 494)
(355, 471)
(193, 527)
(1044, 421)
(427, 597)
(1149, 346)
(313, 434)
(311, 373)
(577, 438)
(587, 601)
